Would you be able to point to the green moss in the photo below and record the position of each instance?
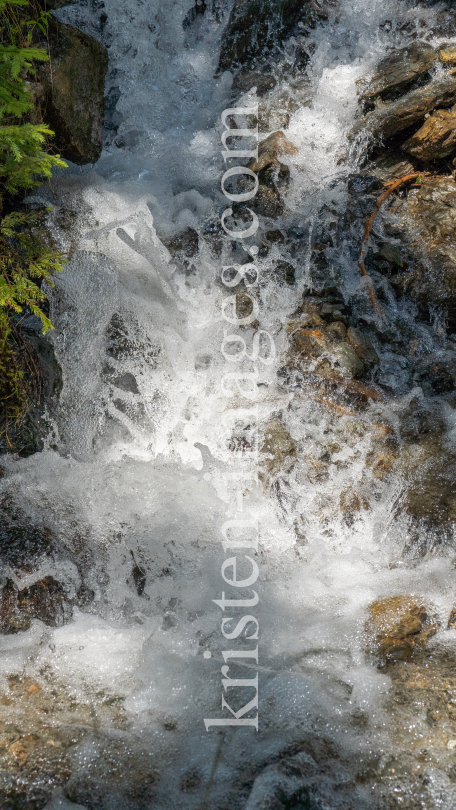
(27, 258)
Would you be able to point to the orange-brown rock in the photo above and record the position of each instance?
(396, 625)
(437, 137)
(448, 55)
(269, 150)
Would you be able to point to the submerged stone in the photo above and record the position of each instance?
(255, 27)
(278, 447)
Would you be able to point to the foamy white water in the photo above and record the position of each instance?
(135, 471)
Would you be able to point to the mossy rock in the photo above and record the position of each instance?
(72, 96)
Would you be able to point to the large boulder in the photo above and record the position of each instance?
(72, 92)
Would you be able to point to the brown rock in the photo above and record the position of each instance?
(43, 600)
(310, 343)
(270, 148)
(428, 216)
(437, 137)
(396, 625)
(337, 330)
(272, 174)
(452, 620)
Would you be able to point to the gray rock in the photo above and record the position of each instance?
(401, 69)
(391, 167)
(362, 346)
(348, 360)
(283, 782)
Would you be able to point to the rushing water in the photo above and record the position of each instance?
(132, 485)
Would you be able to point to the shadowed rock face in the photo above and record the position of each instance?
(257, 28)
(254, 27)
(73, 90)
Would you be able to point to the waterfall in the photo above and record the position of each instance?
(138, 473)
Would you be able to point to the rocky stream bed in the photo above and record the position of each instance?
(112, 489)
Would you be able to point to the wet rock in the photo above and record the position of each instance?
(420, 420)
(396, 625)
(348, 360)
(392, 254)
(247, 79)
(285, 272)
(391, 167)
(20, 541)
(437, 137)
(268, 202)
(273, 175)
(284, 784)
(337, 330)
(278, 448)
(431, 496)
(351, 504)
(400, 70)
(269, 151)
(44, 600)
(362, 347)
(184, 245)
(428, 216)
(42, 376)
(448, 55)
(391, 118)
(72, 99)
(452, 619)
(256, 28)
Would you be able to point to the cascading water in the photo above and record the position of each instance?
(127, 498)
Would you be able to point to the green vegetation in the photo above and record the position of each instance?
(26, 256)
